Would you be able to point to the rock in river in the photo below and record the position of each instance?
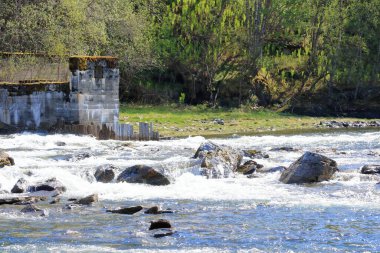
(249, 167)
(21, 186)
(127, 210)
(87, 200)
(143, 174)
(105, 173)
(51, 184)
(218, 161)
(309, 168)
(6, 160)
(370, 169)
(161, 223)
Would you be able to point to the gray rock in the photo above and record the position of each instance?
(309, 168)
(370, 169)
(158, 224)
(144, 175)
(218, 161)
(87, 200)
(55, 201)
(35, 210)
(21, 186)
(127, 210)
(105, 174)
(51, 184)
(19, 200)
(6, 160)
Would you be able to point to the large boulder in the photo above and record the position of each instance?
(144, 175)
(218, 161)
(105, 173)
(51, 184)
(370, 169)
(309, 168)
(6, 160)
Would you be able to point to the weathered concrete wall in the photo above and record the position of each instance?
(97, 97)
(34, 106)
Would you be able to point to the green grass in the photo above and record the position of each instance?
(183, 121)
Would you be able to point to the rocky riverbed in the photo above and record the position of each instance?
(311, 192)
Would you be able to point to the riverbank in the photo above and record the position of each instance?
(184, 121)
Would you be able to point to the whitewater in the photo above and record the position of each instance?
(236, 214)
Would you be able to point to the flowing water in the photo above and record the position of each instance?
(211, 215)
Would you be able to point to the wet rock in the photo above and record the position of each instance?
(105, 174)
(158, 224)
(127, 210)
(35, 210)
(30, 209)
(287, 149)
(55, 201)
(144, 175)
(309, 168)
(218, 161)
(6, 160)
(255, 154)
(51, 184)
(271, 170)
(249, 167)
(12, 200)
(60, 143)
(21, 186)
(370, 169)
(164, 233)
(80, 156)
(87, 200)
(156, 210)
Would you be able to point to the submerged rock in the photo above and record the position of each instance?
(255, 154)
(370, 169)
(105, 173)
(309, 168)
(127, 210)
(271, 170)
(287, 149)
(21, 186)
(158, 224)
(144, 175)
(218, 161)
(87, 200)
(156, 210)
(80, 156)
(164, 233)
(51, 184)
(11, 200)
(60, 143)
(6, 160)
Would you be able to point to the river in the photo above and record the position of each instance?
(236, 214)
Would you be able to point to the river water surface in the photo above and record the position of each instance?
(211, 215)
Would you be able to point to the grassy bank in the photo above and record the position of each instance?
(183, 121)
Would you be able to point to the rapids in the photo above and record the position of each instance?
(211, 215)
